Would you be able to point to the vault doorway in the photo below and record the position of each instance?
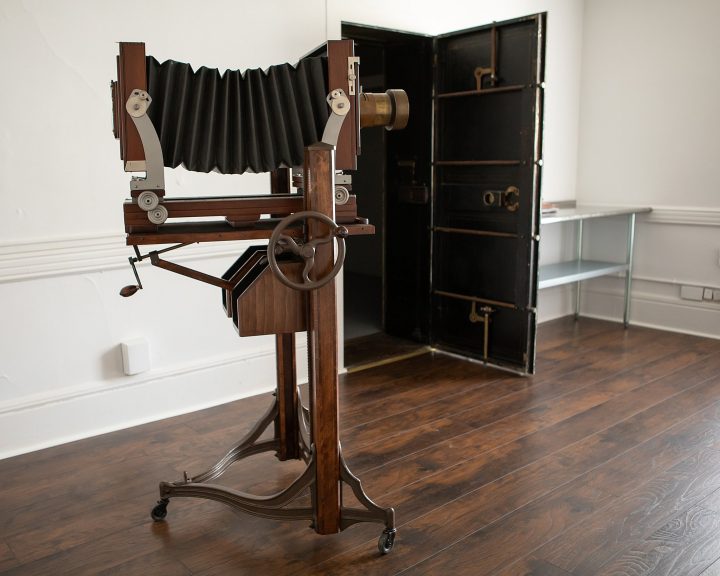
(454, 196)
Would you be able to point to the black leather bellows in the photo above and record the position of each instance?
(235, 122)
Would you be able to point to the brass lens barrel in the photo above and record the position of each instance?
(390, 109)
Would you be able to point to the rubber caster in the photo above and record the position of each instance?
(386, 540)
(159, 512)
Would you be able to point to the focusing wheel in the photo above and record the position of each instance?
(281, 243)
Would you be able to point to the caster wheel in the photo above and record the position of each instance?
(159, 511)
(386, 540)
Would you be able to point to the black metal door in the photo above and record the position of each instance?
(486, 188)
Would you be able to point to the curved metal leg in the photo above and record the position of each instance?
(246, 447)
(372, 513)
(263, 506)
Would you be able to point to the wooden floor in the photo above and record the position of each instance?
(606, 462)
(378, 348)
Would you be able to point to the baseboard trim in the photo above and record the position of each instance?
(650, 306)
(73, 414)
(652, 310)
(652, 325)
(118, 385)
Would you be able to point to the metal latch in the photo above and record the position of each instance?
(353, 65)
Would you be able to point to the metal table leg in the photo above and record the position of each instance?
(628, 273)
(578, 256)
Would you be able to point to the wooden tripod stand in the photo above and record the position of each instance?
(265, 292)
(312, 433)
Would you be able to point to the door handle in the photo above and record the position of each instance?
(474, 317)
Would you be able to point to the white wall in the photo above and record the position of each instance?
(650, 135)
(649, 103)
(58, 160)
(62, 253)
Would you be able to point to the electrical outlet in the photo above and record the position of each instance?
(135, 355)
(691, 292)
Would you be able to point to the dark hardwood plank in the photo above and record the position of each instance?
(366, 350)
(512, 422)
(153, 563)
(124, 496)
(7, 558)
(607, 534)
(365, 396)
(533, 566)
(524, 490)
(472, 399)
(611, 531)
(489, 548)
(488, 472)
(560, 331)
(686, 545)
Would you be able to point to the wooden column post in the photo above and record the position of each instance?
(287, 427)
(319, 180)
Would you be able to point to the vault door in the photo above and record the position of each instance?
(485, 201)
